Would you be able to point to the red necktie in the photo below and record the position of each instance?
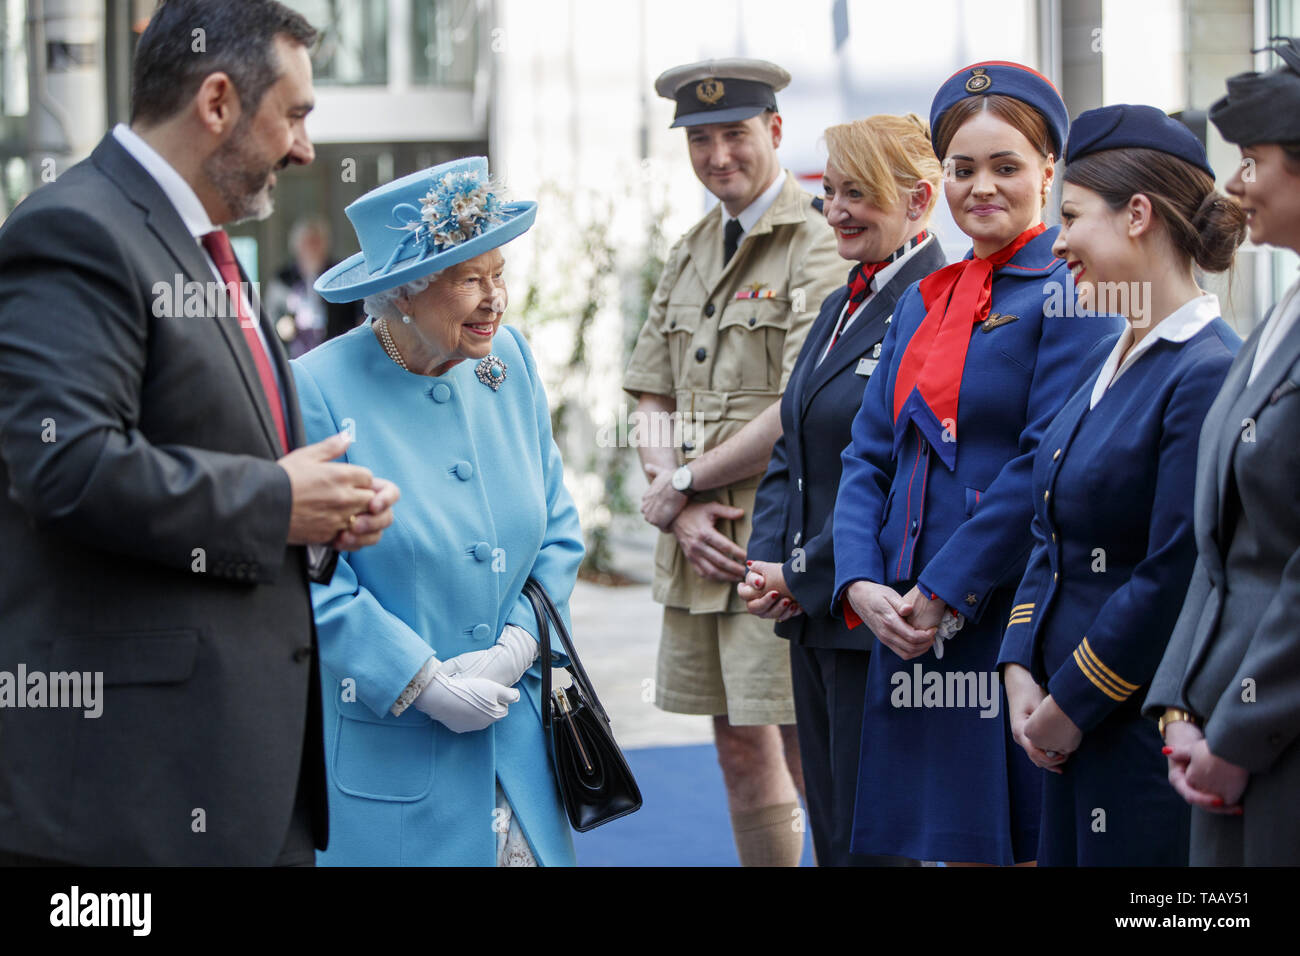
(860, 280)
(217, 243)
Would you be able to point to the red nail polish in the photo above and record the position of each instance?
(1217, 802)
(1166, 750)
(749, 564)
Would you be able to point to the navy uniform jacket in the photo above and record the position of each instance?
(796, 500)
(965, 533)
(1114, 547)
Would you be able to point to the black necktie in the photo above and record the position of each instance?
(730, 239)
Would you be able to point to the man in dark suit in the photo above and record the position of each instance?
(161, 522)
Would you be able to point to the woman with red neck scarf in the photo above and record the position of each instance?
(932, 520)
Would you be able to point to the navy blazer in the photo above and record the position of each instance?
(1113, 541)
(795, 503)
(963, 534)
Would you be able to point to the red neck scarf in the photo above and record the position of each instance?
(956, 298)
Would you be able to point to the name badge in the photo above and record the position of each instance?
(866, 366)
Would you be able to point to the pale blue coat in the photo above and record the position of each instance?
(483, 506)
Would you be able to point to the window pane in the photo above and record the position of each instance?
(353, 47)
(13, 58)
(444, 42)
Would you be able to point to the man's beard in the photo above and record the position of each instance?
(240, 179)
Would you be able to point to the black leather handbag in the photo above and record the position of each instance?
(595, 782)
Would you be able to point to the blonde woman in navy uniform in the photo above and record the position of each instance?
(881, 184)
(1113, 482)
(931, 524)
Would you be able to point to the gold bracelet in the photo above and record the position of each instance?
(1173, 715)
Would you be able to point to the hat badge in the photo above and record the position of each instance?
(979, 81)
(709, 91)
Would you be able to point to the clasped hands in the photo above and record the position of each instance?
(710, 552)
(906, 623)
(765, 592)
(1202, 779)
(474, 690)
(335, 503)
(1044, 731)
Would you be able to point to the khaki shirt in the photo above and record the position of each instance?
(722, 342)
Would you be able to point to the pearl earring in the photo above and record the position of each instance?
(406, 319)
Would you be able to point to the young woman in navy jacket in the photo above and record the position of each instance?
(1113, 486)
(931, 525)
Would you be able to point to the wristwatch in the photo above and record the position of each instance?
(682, 479)
(1173, 715)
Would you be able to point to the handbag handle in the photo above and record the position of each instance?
(546, 613)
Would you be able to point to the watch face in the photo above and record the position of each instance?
(681, 478)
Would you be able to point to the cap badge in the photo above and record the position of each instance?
(709, 91)
(979, 81)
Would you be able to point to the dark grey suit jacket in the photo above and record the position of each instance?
(145, 523)
(1234, 656)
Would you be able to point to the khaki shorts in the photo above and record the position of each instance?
(729, 664)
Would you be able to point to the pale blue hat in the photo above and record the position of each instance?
(421, 224)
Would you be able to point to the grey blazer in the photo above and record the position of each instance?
(144, 522)
(1234, 656)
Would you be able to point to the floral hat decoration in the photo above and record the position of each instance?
(421, 224)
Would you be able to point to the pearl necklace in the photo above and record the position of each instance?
(386, 339)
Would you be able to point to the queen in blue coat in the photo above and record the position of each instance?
(1113, 485)
(931, 524)
(435, 753)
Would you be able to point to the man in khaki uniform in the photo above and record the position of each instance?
(736, 298)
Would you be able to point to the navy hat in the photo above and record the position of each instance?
(421, 224)
(1263, 107)
(1001, 78)
(1125, 126)
(721, 91)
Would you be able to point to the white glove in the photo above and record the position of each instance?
(463, 703)
(504, 662)
(948, 628)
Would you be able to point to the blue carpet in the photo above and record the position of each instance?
(683, 821)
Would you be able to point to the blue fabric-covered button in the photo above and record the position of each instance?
(441, 392)
(464, 470)
(482, 551)
(482, 632)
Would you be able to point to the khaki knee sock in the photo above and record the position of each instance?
(767, 836)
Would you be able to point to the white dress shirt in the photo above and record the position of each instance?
(878, 282)
(1179, 326)
(190, 209)
(751, 214)
(1280, 323)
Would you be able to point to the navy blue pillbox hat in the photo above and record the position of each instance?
(1125, 126)
(1002, 78)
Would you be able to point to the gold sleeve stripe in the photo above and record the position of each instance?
(1092, 656)
(1096, 680)
(1021, 607)
(1023, 619)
